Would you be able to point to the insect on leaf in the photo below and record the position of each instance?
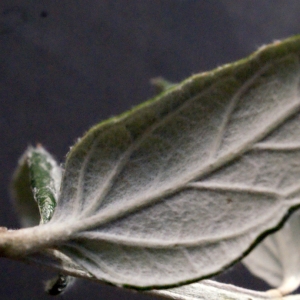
(184, 185)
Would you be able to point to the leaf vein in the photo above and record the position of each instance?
(228, 113)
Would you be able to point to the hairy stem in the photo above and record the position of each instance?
(22, 242)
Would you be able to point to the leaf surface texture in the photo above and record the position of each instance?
(184, 185)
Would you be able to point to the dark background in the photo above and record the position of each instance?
(66, 65)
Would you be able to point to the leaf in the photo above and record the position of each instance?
(35, 186)
(204, 290)
(276, 259)
(184, 185)
(211, 290)
(45, 177)
(35, 190)
(22, 195)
